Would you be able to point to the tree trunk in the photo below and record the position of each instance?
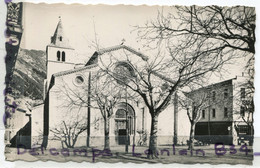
(153, 138)
(62, 144)
(106, 130)
(192, 133)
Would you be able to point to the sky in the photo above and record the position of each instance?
(111, 24)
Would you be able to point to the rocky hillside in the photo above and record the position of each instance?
(29, 74)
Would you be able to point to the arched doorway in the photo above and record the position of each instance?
(124, 123)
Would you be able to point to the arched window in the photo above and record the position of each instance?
(58, 56)
(63, 56)
(60, 38)
(123, 71)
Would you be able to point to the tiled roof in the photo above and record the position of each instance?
(91, 63)
(214, 85)
(94, 57)
(105, 50)
(73, 70)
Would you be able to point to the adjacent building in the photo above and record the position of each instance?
(227, 116)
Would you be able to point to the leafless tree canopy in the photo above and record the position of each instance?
(221, 28)
(191, 42)
(71, 104)
(156, 79)
(105, 93)
(68, 131)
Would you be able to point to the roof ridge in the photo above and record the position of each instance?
(117, 47)
(62, 73)
(209, 86)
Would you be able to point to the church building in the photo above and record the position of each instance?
(67, 82)
(69, 110)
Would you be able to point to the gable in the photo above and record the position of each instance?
(95, 56)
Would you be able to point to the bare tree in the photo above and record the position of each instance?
(72, 103)
(215, 30)
(68, 131)
(156, 79)
(194, 102)
(106, 95)
(194, 41)
(73, 114)
(223, 28)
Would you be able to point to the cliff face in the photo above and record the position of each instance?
(29, 74)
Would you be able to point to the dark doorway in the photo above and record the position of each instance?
(122, 137)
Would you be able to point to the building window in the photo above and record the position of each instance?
(225, 112)
(242, 111)
(79, 80)
(123, 72)
(58, 56)
(203, 113)
(63, 56)
(225, 93)
(243, 93)
(60, 38)
(213, 95)
(213, 113)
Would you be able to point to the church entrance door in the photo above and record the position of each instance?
(124, 124)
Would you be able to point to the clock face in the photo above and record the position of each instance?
(123, 72)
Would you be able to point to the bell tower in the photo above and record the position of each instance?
(60, 55)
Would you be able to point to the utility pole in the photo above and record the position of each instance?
(89, 100)
(209, 100)
(175, 126)
(126, 121)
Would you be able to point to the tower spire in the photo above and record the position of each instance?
(59, 39)
(59, 52)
